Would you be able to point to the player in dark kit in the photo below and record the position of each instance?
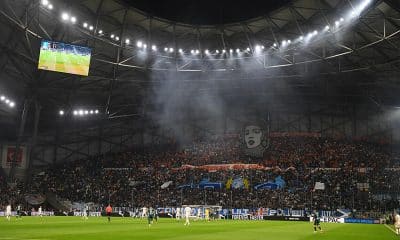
(19, 211)
(150, 216)
(317, 223)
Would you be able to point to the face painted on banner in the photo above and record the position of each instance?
(252, 136)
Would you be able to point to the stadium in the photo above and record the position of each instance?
(174, 119)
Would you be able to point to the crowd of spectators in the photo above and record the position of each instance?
(356, 175)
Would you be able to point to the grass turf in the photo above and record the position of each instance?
(128, 228)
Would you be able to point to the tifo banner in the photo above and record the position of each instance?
(35, 199)
(10, 154)
(234, 166)
(295, 134)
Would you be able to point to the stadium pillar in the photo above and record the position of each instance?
(34, 138)
(20, 133)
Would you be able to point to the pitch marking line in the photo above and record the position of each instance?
(391, 229)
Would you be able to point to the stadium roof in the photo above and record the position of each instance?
(357, 61)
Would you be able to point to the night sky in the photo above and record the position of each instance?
(207, 11)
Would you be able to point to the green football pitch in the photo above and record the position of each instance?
(63, 62)
(128, 228)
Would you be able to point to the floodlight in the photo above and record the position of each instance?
(127, 41)
(117, 38)
(166, 49)
(85, 25)
(100, 31)
(217, 51)
(75, 112)
(96, 111)
(61, 112)
(91, 28)
(50, 6)
(171, 50)
(65, 16)
(45, 2)
(206, 51)
(139, 44)
(11, 104)
(326, 27)
(237, 50)
(73, 19)
(154, 48)
(2, 98)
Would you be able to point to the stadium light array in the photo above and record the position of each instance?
(7, 101)
(355, 11)
(81, 112)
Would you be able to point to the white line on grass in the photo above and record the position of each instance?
(391, 229)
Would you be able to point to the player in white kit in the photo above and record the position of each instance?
(144, 212)
(187, 215)
(397, 223)
(40, 213)
(178, 213)
(8, 212)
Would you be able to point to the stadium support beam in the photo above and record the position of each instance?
(115, 66)
(33, 139)
(20, 135)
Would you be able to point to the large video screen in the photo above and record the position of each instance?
(63, 57)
